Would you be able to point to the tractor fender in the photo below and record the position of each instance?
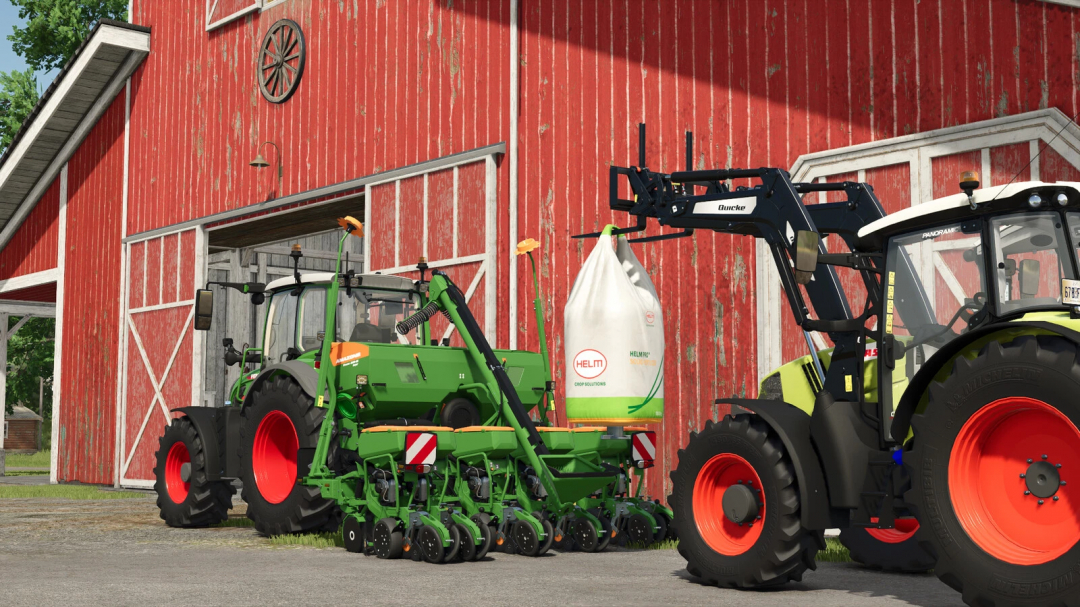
(792, 425)
(305, 375)
(920, 383)
(219, 430)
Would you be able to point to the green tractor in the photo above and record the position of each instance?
(350, 416)
(938, 430)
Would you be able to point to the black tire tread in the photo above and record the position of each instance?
(208, 502)
(313, 513)
(789, 558)
(904, 557)
(1049, 351)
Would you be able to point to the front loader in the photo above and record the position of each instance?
(940, 428)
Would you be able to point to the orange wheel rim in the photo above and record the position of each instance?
(1006, 461)
(903, 530)
(719, 532)
(175, 485)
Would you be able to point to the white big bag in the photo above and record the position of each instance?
(614, 336)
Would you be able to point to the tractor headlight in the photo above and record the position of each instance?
(361, 380)
(1061, 199)
(1035, 201)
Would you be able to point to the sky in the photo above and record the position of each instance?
(9, 18)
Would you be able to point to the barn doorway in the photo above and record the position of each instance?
(257, 250)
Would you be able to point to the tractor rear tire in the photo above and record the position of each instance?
(196, 501)
(984, 452)
(277, 419)
(740, 450)
(888, 549)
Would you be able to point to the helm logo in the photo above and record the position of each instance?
(589, 364)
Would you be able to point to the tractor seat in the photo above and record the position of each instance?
(369, 333)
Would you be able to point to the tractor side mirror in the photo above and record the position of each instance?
(1029, 278)
(806, 255)
(204, 309)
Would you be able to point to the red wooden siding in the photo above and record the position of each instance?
(386, 85)
(45, 292)
(33, 246)
(760, 82)
(90, 350)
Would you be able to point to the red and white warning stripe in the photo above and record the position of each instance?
(643, 447)
(420, 448)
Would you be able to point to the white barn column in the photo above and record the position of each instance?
(3, 383)
(58, 384)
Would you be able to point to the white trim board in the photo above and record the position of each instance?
(14, 307)
(1040, 127)
(16, 283)
(58, 332)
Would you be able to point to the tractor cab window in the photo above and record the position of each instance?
(312, 320)
(1031, 256)
(934, 283)
(368, 315)
(280, 327)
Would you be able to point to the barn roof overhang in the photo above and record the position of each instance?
(65, 114)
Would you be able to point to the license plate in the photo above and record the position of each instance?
(1070, 292)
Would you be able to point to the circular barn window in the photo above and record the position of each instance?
(281, 61)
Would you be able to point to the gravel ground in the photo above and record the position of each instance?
(118, 552)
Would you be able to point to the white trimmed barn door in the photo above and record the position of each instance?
(446, 216)
(160, 367)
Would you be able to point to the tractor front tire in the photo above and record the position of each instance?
(742, 452)
(277, 419)
(993, 466)
(888, 549)
(185, 497)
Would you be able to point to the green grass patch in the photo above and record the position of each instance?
(27, 473)
(834, 552)
(239, 521)
(309, 540)
(664, 545)
(70, 492)
(33, 460)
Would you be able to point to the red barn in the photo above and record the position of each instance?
(456, 129)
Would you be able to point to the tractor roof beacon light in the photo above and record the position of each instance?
(969, 182)
(260, 162)
(296, 254)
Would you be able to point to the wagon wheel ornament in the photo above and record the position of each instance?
(281, 61)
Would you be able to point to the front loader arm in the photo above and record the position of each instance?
(772, 211)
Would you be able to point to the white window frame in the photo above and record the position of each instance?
(256, 5)
(1038, 128)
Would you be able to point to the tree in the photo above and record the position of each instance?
(18, 96)
(55, 28)
(30, 357)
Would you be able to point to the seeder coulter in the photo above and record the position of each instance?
(354, 418)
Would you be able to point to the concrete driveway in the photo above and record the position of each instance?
(118, 552)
